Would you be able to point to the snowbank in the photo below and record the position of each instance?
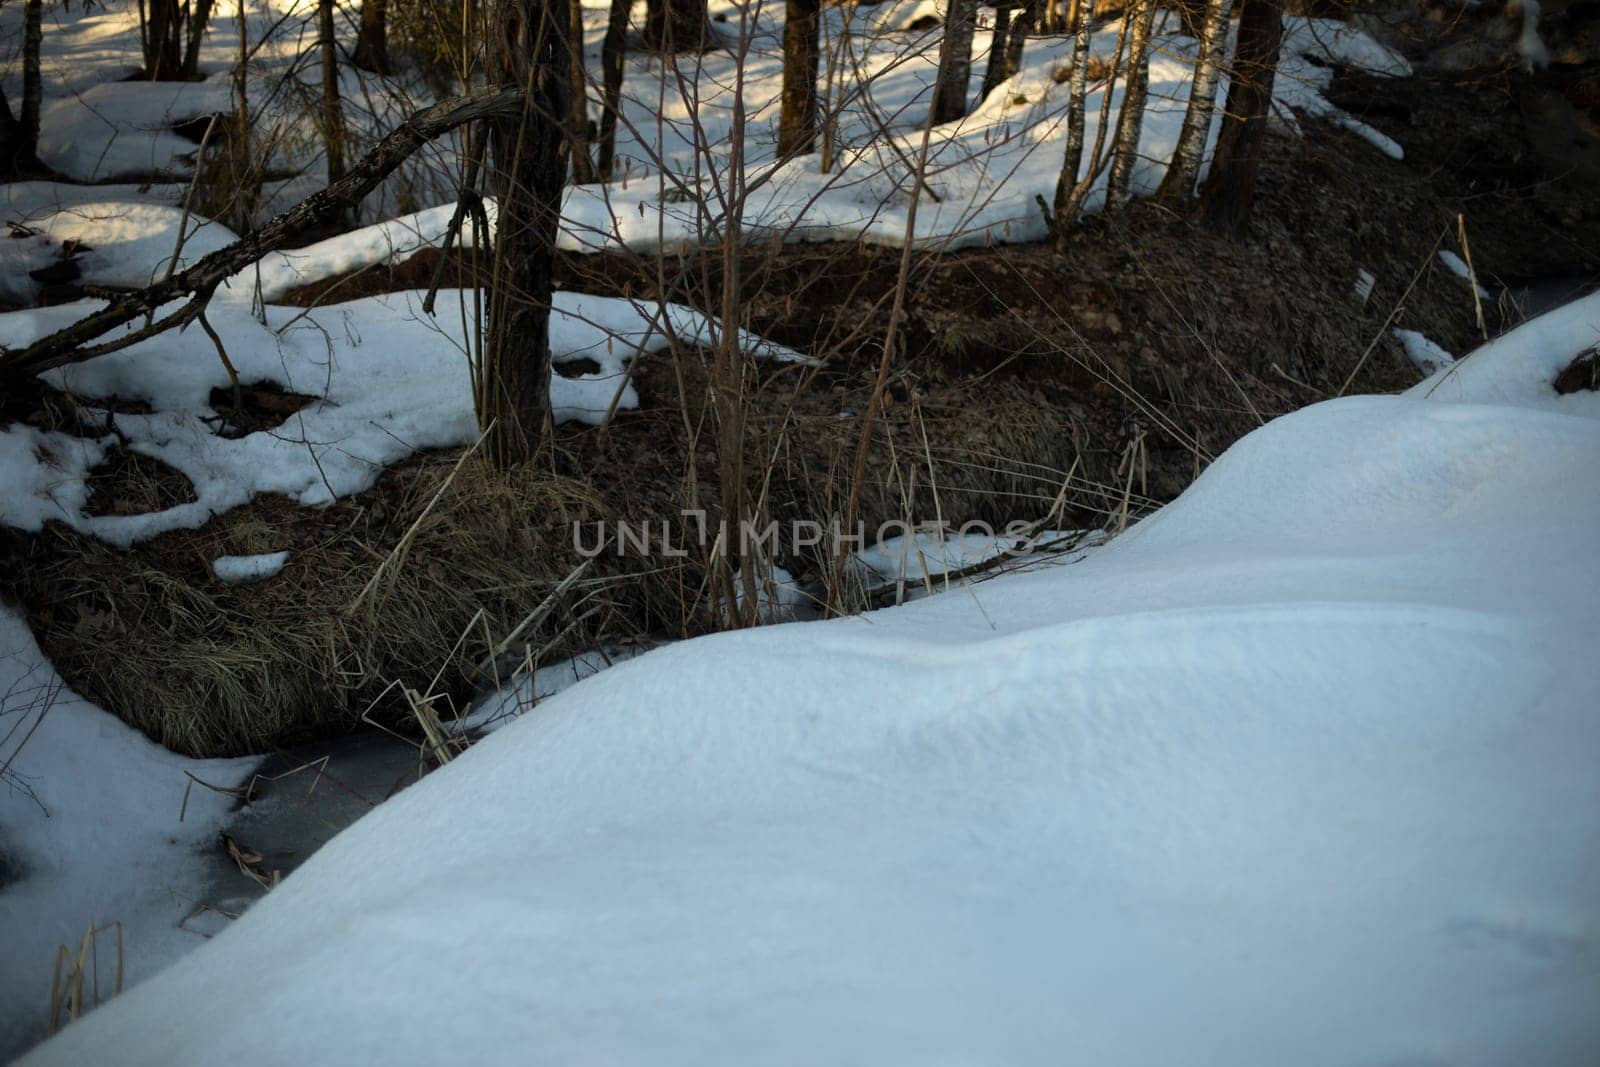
(1299, 770)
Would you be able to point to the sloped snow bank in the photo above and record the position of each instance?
(1301, 769)
(98, 825)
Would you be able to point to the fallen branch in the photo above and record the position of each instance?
(73, 344)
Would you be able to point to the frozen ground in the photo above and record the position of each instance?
(1300, 769)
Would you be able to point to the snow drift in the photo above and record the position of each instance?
(1302, 769)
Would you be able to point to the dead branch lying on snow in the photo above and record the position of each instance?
(73, 344)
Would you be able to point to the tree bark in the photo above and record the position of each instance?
(611, 67)
(26, 153)
(1068, 198)
(995, 72)
(677, 26)
(163, 61)
(372, 40)
(1021, 26)
(797, 125)
(73, 344)
(1130, 120)
(529, 172)
(198, 19)
(333, 131)
(1230, 186)
(955, 61)
(578, 97)
(1178, 185)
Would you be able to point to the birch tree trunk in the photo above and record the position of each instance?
(1230, 186)
(1130, 121)
(1068, 198)
(1178, 185)
(797, 126)
(955, 61)
(530, 51)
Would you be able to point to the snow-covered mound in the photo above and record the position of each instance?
(1300, 770)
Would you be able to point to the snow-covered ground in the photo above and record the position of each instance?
(1299, 770)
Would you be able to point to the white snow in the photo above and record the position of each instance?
(249, 568)
(1530, 46)
(388, 380)
(1457, 266)
(1299, 770)
(1426, 356)
(97, 825)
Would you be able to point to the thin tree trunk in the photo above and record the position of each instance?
(1178, 185)
(999, 68)
(1130, 121)
(1067, 199)
(197, 31)
(1230, 186)
(611, 67)
(530, 169)
(372, 40)
(955, 61)
(797, 126)
(1021, 27)
(332, 110)
(677, 26)
(27, 149)
(578, 97)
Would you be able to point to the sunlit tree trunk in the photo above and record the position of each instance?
(797, 125)
(529, 170)
(1068, 197)
(1230, 186)
(372, 40)
(611, 67)
(1178, 184)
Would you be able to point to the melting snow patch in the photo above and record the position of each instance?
(1423, 353)
(248, 568)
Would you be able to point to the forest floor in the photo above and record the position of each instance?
(1117, 367)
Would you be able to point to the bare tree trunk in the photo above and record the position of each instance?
(1027, 18)
(611, 67)
(677, 26)
(1068, 199)
(372, 40)
(999, 67)
(332, 110)
(200, 16)
(1230, 186)
(530, 169)
(797, 126)
(1130, 121)
(163, 60)
(955, 61)
(1178, 185)
(578, 97)
(26, 152)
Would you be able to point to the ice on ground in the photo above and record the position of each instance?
(1426, 356)
(249, 568)
(1300, 769)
